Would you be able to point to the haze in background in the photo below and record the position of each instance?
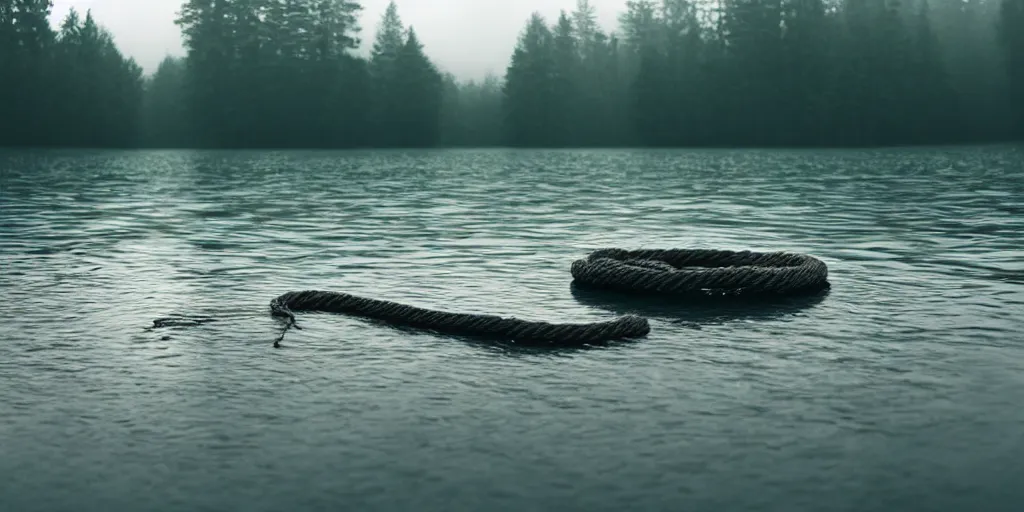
(679, 73)
(468, 38)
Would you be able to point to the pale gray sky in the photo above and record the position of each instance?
(466, 37)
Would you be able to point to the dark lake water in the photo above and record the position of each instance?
(901, 390)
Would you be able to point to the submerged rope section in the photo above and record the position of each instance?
(650, 271)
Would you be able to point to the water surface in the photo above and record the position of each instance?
(899, 390)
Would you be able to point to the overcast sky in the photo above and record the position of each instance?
(466, 37)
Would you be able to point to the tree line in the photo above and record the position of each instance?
(68, 86)
(285, 73)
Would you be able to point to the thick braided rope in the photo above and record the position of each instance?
(702, 271)
(520, 331)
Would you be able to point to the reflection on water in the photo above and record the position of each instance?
(896, 390)
(696, 311)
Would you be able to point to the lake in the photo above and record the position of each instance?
(899, 390)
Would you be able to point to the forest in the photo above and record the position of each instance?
(673, 73)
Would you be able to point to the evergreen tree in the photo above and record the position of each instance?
(601, 100)
(26, 42)
(808, 73)
(649, 88)
(166, 121)
(262, 73)
(388, 45)
(71, 87)
(565, 84)
(452, 120)
(418, 96)
(206, 28)
(108, 92)
(681, 50)
(752, 72)
(407, 87)
(935, 109)
(588, 33)
(971, 54)
(472, 113)
(639, 23)
(650, 91)
(530, 113)
(1011, 33)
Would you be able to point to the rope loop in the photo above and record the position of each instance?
(702, 271)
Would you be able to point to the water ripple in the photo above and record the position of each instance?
(913, 360)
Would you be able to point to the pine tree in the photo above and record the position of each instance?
(970, 51)
(529, 107)
(808, 72)
(387, 46)
(565, 84)
(26, 41)
(648, 91)
(589, 37)
(649, 68)
(100, 91)
(1011, 33)
(684, 83)
(335, 27)
(166, 121)
(752, 72)
(639, 23)
(206, 29)
(418, 95)
(932, 105)
(599, 87)
(471, 112)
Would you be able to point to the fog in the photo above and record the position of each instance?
(468, 38)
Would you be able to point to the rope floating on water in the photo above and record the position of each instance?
(702, 272)
(465, 324)
(180, 321)
(649, 271)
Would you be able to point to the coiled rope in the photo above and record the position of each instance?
(702, 271)
(649, 271)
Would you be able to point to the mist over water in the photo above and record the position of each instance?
(667, 73)
(898, 390)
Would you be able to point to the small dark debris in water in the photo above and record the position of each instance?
(688, 324)
(94, 269)
(165, 338)
(181, 321)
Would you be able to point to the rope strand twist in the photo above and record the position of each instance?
(520, 331)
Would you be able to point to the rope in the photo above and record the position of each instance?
(650, 271)
(180, 321)
(702, 271)
(519, 331)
